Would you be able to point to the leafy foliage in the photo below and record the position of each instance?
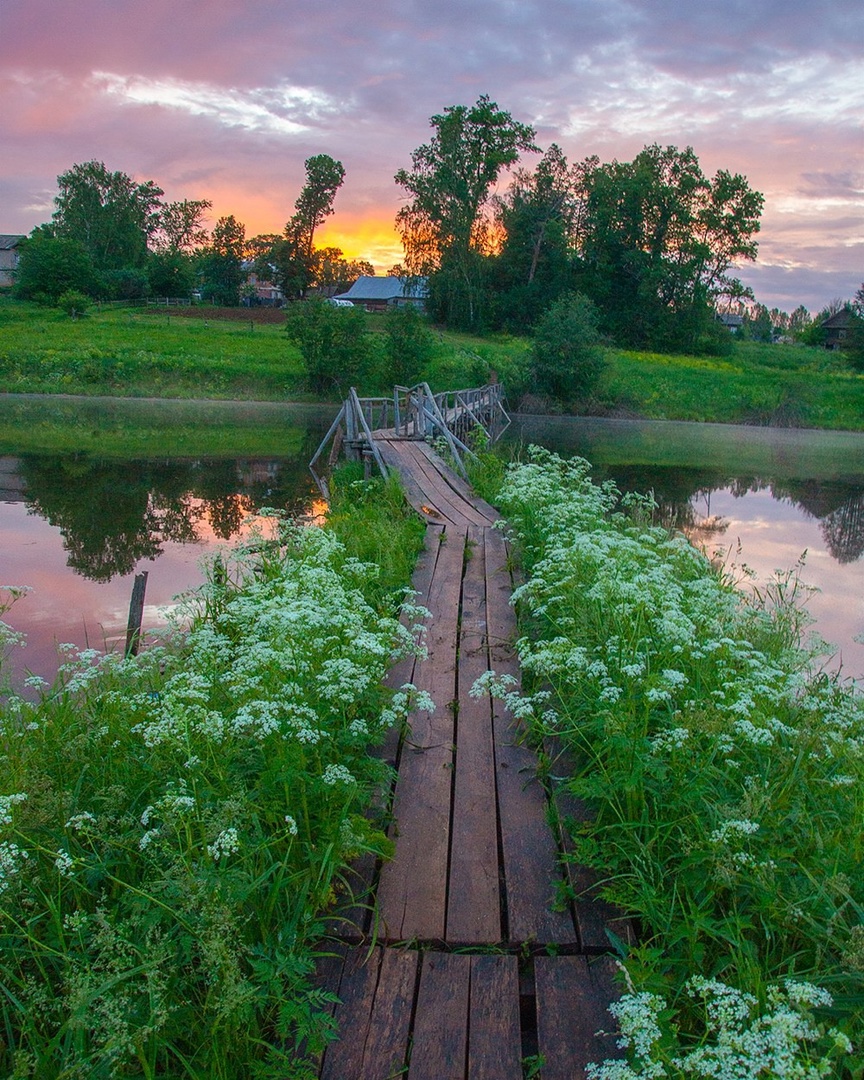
(722, 768)
(408, 345)
(657, 240)
(178, 887)
(444, 229)
(566, 359)
(221, 263)
(50, 265)
(336, 350)
(111, 215)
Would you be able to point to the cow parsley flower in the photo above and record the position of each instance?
(6, 804)
(226, 843)
(336, 774)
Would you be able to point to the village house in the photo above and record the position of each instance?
(836, 328)
(9, 243)
(384, 293)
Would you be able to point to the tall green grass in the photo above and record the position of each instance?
(172, 826)
(724, 773)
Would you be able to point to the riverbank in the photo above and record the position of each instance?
(154, 353)
(160, 912)
(717, 773)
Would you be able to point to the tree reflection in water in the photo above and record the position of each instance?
(111, 514)
(837, 505)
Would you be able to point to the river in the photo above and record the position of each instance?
(92, 492)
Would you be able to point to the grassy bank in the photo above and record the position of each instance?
(776, 385)
(724, 779)
(136, 353)
(173, 825)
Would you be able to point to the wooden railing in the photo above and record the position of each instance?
(412, 412)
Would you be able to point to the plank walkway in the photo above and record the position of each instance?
(465, 952)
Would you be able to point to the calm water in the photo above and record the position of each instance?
(76, 526)
(759, 497)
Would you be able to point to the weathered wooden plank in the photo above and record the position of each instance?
(413, 887)
(385, 1053)
(430, 473)
(374, 1017)
(427, 492)
(593, 916)
(394, 455)
(451, 486)
(530, 855)
(357, 996)
(495, 1037)
(440, 1042)
(403, 671)
(573, 995)
(462, 488)
(352, 914)
(473, 905)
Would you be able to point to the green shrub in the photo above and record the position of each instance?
(408, 345)
(172, 826)
(721, 766)
(336, 350)
(566, 359)
(74, 303)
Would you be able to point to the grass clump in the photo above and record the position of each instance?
(172, 825)
(724, 777)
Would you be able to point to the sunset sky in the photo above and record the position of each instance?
(225, 101)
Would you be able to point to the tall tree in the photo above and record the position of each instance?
(324, 177)
(293, 257)
(222, 262)
(180, 225)
(538, 218)
(110, 214)
(445, 230)
(657, 240)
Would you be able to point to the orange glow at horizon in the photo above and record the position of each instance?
(370, 236)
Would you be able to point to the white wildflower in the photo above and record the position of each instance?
(64, 863)
(226, 843)
(336, 774)
(6, 804)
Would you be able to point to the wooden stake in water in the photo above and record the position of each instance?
(136, 614)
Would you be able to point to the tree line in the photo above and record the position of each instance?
(113, 238)
(640, 253)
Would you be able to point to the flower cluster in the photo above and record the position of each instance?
(722, 767)
(739, 1041)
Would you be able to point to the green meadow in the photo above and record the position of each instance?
(146, 353)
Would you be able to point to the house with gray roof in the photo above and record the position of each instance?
(383, 293)
(9, 243)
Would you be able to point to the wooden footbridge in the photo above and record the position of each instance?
(477, 950)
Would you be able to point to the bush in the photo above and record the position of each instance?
(566, 360)
(74, 303)
(333, 343)
(720, 769)
(408, 345)
(50, 266)
(173, 825)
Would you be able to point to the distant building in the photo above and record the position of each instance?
(733, 323)
(836, 328)
(383, 293)
(261, 293)
(9, 243)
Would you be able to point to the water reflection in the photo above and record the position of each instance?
(143, 486)
(837, 505)
(112, 514)
(756, 497)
